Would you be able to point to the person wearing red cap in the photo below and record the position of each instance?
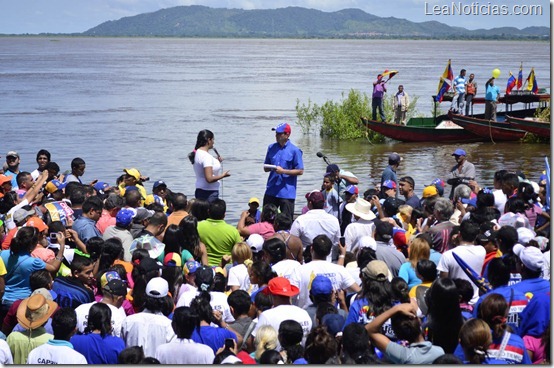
(281, 291)
(284, 163)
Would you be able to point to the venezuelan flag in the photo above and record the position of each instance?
(444, 86)
(511, 83)
(520, 76)
(448, 74)
(532, 82)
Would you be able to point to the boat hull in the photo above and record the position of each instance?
(407, 133)
(488, 129)
(542, 129)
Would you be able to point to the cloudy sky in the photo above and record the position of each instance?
(68, 16)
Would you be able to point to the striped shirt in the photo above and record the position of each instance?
(459, 84)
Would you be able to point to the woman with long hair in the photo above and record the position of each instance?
(191, 240)
(241, 256)
(264, 227)
(419, 249)
(475, 338)
(208, 169)
(260, 274)
(445, 316)
(198, 208)
(98, 344)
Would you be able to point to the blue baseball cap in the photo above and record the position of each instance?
(124, 217)
(389, 184)
(101, 186)
(282, 128)
(352, 189)
(321, 285)
(159, 183)
(459, 152)
(334, 323)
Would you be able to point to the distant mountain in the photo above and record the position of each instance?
(292, 22)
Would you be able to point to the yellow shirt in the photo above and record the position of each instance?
(140, 188)
(151, 199)
(2, 268)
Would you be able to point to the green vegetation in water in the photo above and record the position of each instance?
(542, 115)
(342, 119)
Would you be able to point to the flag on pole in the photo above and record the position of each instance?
(511, 83)
(532, 82)
(520, 76)
(444, 86)
(448, 74)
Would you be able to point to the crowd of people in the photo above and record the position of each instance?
(95, 273)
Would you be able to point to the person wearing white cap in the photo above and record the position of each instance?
(12, 161)
(363, 226)
(531, 262)
(150, 328)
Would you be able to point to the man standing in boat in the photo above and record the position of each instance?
(379, 90)
(471, 91)
(492, 93)
(459, 93)
(401, 103)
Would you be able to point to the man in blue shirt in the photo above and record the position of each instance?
(530, 265)
(458, 99)
(492, 93)
(390, 172)
(284, 163)
(85, 226)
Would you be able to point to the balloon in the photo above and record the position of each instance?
(496, 73)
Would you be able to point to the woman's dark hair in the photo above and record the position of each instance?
(494, 310)
(405, 327)
(379, 293)
(112, 251)
(485, 198)
(465, 290)
(282, 222)
(263, 272)
(139, 254)
(164, 305)
(131, 355)
(262, 302)
(184, 322)
(40, 279)
(95, 245)
(445, 316)
(222, 356)
(7, 202)
(320, 346)
(290, 337)
(400, 290)
(99, 318)
(140, 279)
(475, 339)
(498, 273)
(220, 282)
(323, 309)
(271, 357)
(190, 236)
(356, 347)
(173, 239)
(276, 249)
(448, 359)
(427, 269)
(199, 208)
(484, 214)
(24, 241)
(269, 212)
(174, 277)
(526, 192)
(515, 205)
(201, 141)
(365, 255)
(201, 307)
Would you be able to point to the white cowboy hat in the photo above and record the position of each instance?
(361, 208)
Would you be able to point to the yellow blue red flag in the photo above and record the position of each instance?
(532, 82)
(444, 86)
(520, 76)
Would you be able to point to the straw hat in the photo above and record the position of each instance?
(34, 311)
(361, 208)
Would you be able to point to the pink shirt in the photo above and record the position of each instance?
(265, 229)
(105, 220)
(45, 254)
(535, 345)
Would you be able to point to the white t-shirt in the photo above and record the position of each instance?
(203, 159)
(52, 353)
(339, 276)
(289, 269)
(118, 315)
(5, 353)
(148, 330)
(238, 276)
(314, 223)
(473, 255)
(500, 200)
(184, 351)
(276, 315)
(355, 230)
(218, 301)
(10, 224)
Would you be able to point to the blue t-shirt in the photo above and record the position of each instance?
(98, 349)
(214, 337)
(86, 228)
(519, 303)
(289, 157)
(407, 272)
(331, 202)
(535, 318)
(19, 269)
(514, 353)
(459, 84)
(492, 93)
(531, 287)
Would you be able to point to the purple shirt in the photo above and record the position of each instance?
(378, 90)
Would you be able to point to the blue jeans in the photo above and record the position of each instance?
(377, 103)
(209, 195)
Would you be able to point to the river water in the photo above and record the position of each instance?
(119, 102)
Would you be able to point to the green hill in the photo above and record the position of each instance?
(291, 22)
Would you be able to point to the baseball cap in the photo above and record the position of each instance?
(5, 179)
(282, 128)
(525, 235)
(101, 186)
(112, 283)
(147, 265)
(280, 286)
(315, 196)
(55, 185)
(376, 270)
(143, 214)
(394, 158)
(20, 214)
(37, 223)
(334, 323)
(439, 184)
(531, 257)
(124, 217)
(430, 191)
(469, 201)
(159, 183)
(352, 189)
(367, 241)
(254, 200)
(133, 172)
(321, 285)
(13, 154)
(459, 152)
(332, 168)
(172, 260)
(157, 288)
(255, 242)
(191, 267)
(487, 233)
(389, 184)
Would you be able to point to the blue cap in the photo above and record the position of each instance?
(389, 184)
(470, 201)
(321, 285)
(282, 128)
(459, 152)
(59, 184)
(101, 186)
(130, 188)
(334, 323)
(124, 217)
(352, 189)
(158, 183)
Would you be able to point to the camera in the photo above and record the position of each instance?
(53, 238)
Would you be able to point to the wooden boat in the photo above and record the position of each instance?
(423, 130)
(540, 128)
(495, 131)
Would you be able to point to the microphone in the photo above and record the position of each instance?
(320, 155)
(217, 153)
